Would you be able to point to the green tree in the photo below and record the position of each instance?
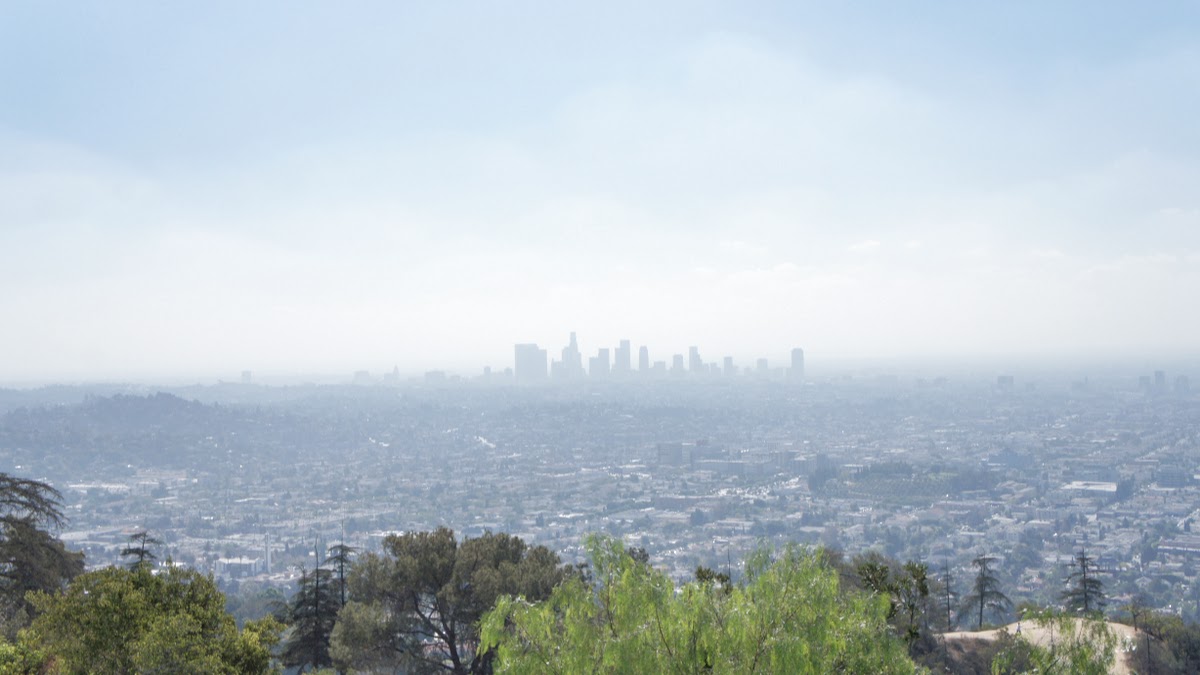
(1085, 590)
(875, 575)
(912, 591)
(132, 621)
(253, 601)
(141, 549)
(31, 559)
(20, 659)
(1167, 645)
(21, 498)
(417, 606)
(311, 615)
(985, 595)
(905, 586)
(948, 596)
(340, 558)
(789, 617)
(705, 575)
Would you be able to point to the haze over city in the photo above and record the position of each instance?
(523, 337)
(321, 189)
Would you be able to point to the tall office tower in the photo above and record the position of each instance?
(529, 363)
(677, 364)
(598, 365)
(729, 369)
(644, 359)
(621, 364)
(797, 370)
(572, 361)
(695, 363)
(763, 368)
(1160, 382)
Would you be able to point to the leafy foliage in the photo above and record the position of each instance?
(1077, 646)
(1167, 645)
(790, 617)
(905, 586)
(122, 621)
(417, 606)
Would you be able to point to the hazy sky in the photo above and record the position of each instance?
(201, 188)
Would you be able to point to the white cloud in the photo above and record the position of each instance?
(867, 245)
(743, 248)
(707, 195)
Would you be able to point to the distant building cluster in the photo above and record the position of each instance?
(532, 365)
(1157, 385)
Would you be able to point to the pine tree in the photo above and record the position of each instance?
(1085, 590)
(311, 615)
(948, 595)
(985, 595)
(340, 558)
(139, 549)
(31, 558)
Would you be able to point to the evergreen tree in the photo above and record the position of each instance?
(340, 558)
(1085, 590)
(31, 559)
(949, 596)
(21, 499)
(985, 595)
(312, 614)
(140, 549)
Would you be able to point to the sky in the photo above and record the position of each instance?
(197, 189)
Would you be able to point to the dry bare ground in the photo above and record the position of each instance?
(1126, 639)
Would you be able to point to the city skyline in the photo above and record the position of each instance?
(661, 363)
(531, 364)
(305, 188)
